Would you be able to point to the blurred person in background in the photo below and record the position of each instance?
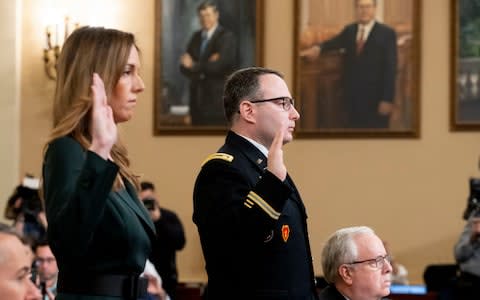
(47, 269)
(170, 238)
(25, 208)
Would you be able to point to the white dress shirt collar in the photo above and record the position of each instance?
(259, 146)
(210, 32)
(367, 27)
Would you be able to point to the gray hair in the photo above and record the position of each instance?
(341, 249)
(5, 232)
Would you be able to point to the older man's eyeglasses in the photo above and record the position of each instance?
(378, 262)
(286, 102)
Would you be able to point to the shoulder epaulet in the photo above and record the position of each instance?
(218, 155)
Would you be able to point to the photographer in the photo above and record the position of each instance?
(467, 249)
(25, 208)
(170, 238)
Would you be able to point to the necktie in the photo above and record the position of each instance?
(361, 40)
(203, 45)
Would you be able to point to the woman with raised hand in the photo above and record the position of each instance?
(98, 229)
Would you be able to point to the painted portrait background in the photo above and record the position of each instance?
(465, 65)
(318, 83)
(176, 21)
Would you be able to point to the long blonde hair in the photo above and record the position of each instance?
(88, 50)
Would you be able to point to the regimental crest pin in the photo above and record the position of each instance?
(285, 232)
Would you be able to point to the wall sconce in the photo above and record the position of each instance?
(52, 48)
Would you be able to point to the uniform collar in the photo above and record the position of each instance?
(259, 146)
(249, 149)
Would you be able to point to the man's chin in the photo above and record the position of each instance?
(386, 290)
(287, 139)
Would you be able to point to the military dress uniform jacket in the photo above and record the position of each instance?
(92, 229)
(252, 227)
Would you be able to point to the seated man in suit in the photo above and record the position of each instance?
(356, 266)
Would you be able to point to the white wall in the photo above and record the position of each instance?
(412, 191)
(10, 12)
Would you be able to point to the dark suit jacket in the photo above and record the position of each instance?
(331, 293)
(252, 228)
(91, 229)
(170, 239)
(207, 77)
(370, 76)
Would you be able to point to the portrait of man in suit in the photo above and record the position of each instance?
(366, 83)
(210, 57)
(370, 67)
(201, 42)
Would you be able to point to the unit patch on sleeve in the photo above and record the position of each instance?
(285, 232)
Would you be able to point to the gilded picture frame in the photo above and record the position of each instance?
(340, 91)
(465, 66)
(177, 22)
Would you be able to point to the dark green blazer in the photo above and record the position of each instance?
(92, 229)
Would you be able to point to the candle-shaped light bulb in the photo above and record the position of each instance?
(67, 19)
(46, 37)
(56, 34)
(49, 41)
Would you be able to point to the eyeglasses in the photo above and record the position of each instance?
(41, 260)
(377, 263)
(286, 102)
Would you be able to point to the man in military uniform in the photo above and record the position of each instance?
(250, 217)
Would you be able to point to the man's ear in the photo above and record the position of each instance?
(247, 111)
(345, 273)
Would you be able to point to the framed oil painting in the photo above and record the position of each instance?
(197, 45)
(357, 68)
(465, 65)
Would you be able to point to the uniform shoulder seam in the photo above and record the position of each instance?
(219, 155)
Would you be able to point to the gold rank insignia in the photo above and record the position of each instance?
(218, 155)
(285, 232)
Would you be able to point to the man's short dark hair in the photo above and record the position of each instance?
(147, 185)
(40, 243)
(206, 4)
(240, 85)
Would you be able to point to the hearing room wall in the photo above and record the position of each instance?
(411, 191)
